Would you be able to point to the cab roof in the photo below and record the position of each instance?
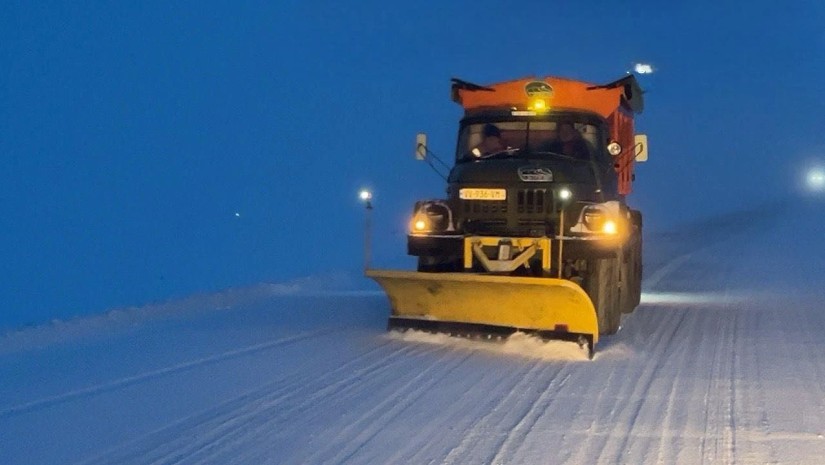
(551, 93)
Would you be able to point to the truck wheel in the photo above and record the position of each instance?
(637, 258)
(632, 275)
(638, 269)
(627, 278)
(601, 284)
(636, 280)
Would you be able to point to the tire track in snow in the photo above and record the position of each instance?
(605, 436)
(489, 420)
(717, 405)
(479, 397)
(637, 408)
(721, 328)
(370, 423)
(518, 434)
(238, 450)
(753, 401)
(178, 433)
(587, 404)
(711, 409)
(814, 361)
(501, 417)
(722, 391)
(154, 374)
(664, 449)
(734, 368)
(802, 378)
(226, 442)
(216, 437)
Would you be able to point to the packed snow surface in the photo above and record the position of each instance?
(723, 362)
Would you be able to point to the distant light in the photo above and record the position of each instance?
(565, 194)
(420, 225)
(539, 104)
(237, 215)
(643, 68)
(365, 195)
(815, 179)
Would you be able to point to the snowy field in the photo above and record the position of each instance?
(724, 362)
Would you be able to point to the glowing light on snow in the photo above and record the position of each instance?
(643, 68)
(704, 299)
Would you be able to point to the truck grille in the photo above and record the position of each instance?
(524, 201)
(526, 212)
(485, 207)
(531, 201)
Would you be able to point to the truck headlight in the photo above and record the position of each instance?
(431, 216)
(593, 218)
(605, 219)
(420, 223)
(609, 227)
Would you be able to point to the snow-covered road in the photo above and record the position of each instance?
(724, 362)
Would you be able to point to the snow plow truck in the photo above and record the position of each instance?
(535, 234)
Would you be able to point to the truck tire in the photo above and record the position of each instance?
(636, 268)
(637, 272)
(627, 278)
(632, 275)
(601, 284)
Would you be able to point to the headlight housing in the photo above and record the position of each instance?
(614, 148)
(431, 216)
(601, 219)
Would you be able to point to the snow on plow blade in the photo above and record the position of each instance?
(452, 302)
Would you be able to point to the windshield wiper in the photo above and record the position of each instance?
(510, 151)
(561, 155)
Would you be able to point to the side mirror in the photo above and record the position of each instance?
(420, 146)
(640, 146)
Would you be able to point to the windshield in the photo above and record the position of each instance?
(569, 139)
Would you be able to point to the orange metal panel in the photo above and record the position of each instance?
(560, 94)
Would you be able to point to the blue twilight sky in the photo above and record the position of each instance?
(155, 149)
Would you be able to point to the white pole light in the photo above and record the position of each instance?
(643, 68)
(815, 180)
(366, 197)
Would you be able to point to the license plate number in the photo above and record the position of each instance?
(482, 194)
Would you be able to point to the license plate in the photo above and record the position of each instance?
(482, 194)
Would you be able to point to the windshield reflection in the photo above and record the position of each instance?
(569, 139)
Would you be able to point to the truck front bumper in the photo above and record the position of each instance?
(435, 245)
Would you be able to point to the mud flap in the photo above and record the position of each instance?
(553, 308)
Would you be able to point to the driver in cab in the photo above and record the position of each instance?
(491, 142)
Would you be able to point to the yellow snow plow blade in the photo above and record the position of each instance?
(551, 308)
